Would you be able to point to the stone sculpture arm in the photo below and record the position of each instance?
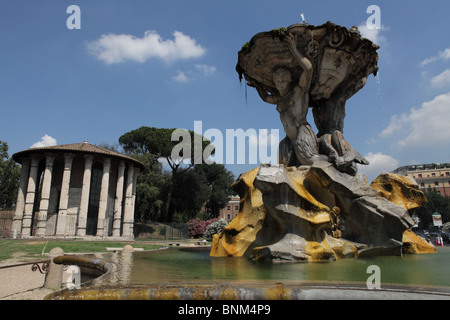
(305, 64)
(269, 98)
(359, 85)
(343, 95)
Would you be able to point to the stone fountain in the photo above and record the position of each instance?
(313, 205)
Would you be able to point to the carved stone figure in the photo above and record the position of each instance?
(292, 100)
(306, 66)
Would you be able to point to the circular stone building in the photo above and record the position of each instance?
(75, 190)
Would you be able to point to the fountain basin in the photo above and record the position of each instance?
(254, 291)
(191, 274)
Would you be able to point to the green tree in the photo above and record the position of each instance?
(190, 193)
(205, 189)
(158, 143)
(9, 178)
(219, 181)
(436, 203)
(151, 183)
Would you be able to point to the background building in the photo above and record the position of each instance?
(75, 190)
(231, 209)
(433, 175)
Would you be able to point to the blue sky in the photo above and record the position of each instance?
(170, 63)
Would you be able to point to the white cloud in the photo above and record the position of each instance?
(397, 123)
(202, 70)
(441, 80)
(181, 77)
(46, 141)
(443, 55)
(428, 61)
(373, 34)
(116, 48)
(205, 69)
(378, 163)
(425, 126)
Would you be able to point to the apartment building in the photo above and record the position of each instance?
(231, 210)
(434, 175)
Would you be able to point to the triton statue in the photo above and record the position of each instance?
(306, 66)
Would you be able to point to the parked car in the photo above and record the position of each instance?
(445, 236)
(422, 233)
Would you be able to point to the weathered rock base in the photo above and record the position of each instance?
(316, 213)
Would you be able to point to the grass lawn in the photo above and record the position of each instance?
(26, 249)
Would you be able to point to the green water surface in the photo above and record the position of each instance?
(176, 265)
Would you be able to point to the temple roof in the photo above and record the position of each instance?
(83, 147)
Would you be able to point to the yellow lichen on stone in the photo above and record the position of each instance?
(240, 235)
(296, 214)
(139, 294)
(241, 232)
(277, 293)
(414, 244)
(400, 190)
(229, 294)
(319, 251)
(341, 248)
(317, 212)
(166, 294)
(249, 177)
(404, 192)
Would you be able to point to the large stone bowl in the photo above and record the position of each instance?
(340, 58)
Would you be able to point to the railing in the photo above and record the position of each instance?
(34, 266)
(161, 231)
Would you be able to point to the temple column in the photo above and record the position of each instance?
(45, 195)
(85, 191)
(29, 199)
(103, 203)
(64, 198)
(118, 200)
(20, 203)
(128, 216)
(133, 200)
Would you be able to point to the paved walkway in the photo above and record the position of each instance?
(20, 283)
